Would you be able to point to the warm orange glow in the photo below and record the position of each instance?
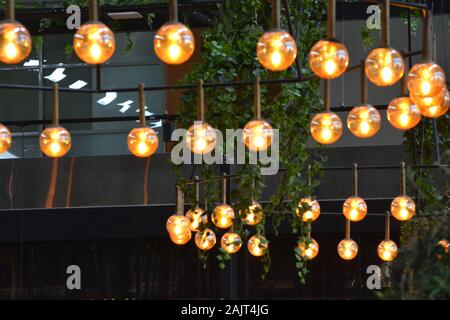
(364, 121)
(55, 142)
(5, 139)
(205, 239)
(347, 249)
(142, 142)
(403, 208)
(308, 249)
(326, 127)
(94, 43)
(223, 216)
(384, 66)
(276, 50)
(403, 113)
(253, 215)
(355, 209)
(434, 107)
(258, 135)
(328, 59)
(231, 242)
(179, 229)
(444, 244)
(174, 43)
(15, 42)
(387, 250)
(201, 138)
(312, 213)
(198, 218)
(426, 80)
(257, 245)
(181, 239)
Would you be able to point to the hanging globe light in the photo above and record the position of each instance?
(326, 127)
(231, 242)
(347, 249)
(310, 214)
(5, 139)
(403, 207)
(205, 239)
(355, 209)
(434, 107)
(198, 218)
(384, 66)
(257, 245)
(178, 226)
(387, 250)
(309, 249)
(328, 59)
(223, 216)
(364, 121)
(444, 244)
(253, 214)
(174, 43)
(403, 113)
(426, 80)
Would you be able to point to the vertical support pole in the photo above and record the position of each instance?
(224, 188)
(93, 10)
(55, 105)
(200, 101)
(257, 98)
(402, 179)
(426, 34)
(385, 33)
(197, 192)
(276, 18)
(347, 229)
(363, 81)
(142, 104)
(355, 179)
(327, 94)
(331, 13)
(387, 229)
(173, 10)
(180, 201)
(10, 10)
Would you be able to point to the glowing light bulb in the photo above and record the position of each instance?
(201, 138)
(223, 216)
(231, 242)
(253, 214)
(5, 139)
(384, 66)
(328, 59)
(434, 107)
(55, 142)
(364, 121)
(403, 113)
(205, 239)
(198, 218)
(11, 51)
(257, 245)
(142, 142)
(258, 135)
(426, 79)
(347, 249)
(94, 43)
(387, 250)
(355, 209)
(276, 50)
(309, 249)
(326, 127)
(179, 229)
(15, 42)
(310, 209)
(403, 208)
(387, 74)
(174, 43)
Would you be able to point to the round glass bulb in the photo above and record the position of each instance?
(174, 43)
(326, 127)
(181, 239)
(347, 249)
(308, 249)
(231, 242)
(257, 245)
(15, 42)
(94, 43)
(355, 209)
(253, 214)
(178, 225)
(403, 208)
(276, 50)
(444, 244)
(198, 218)
(434, 107)
(328, 59)
(55, 142)
(426, 79)
(387, 250)
(364, 121)
(384, 66)
(201, 138)
(223, 216)
(310, 214)
(205, 239)
(142, 142)
(5, 139)
(258, 135)
(403, 113)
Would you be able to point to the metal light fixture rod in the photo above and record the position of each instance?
(385, 33)
(200, 101)
(173, 10)
(355, 179)
(224, 188)
(327, 94)
(331, 13)
(55, 105)
(142, 104)
(426, 35)
(364, 88)
(387, 231)
(180, 201)
(10, 10)
(276, 16)
(197, 190)
(93, 10)
(257, 98)
(347, 229)
(402, 178)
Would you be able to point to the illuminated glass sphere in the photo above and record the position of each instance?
(178, 225)
(142, 142)
(312, 213)
(434, 107)
(326, 127)
(205, 239)
(55, 142)
(253, 214)
(328, 59)
(309, 250)
(384, 66)
(364, 121)
(403, 113)
(258, 135)
(403, 208)
(426, 80)
(201, 138)
(174, 43)
(355, 209)
(94, 43)
(231, 242)
(180, 239)
(257, 245)
(5, 139)
(276, 50)
(198, 218)
(444, 244)
(15, 42)
(387, 250)
(347, 249)
(223, 216)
